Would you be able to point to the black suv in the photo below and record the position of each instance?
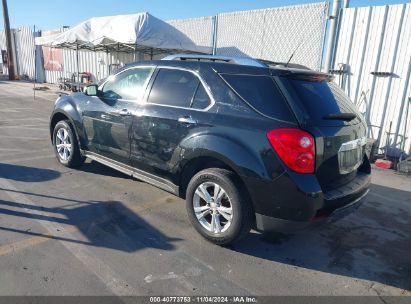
(245, 142)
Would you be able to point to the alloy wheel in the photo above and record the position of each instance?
(63, 144)
(212, 207)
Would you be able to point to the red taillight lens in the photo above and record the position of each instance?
(295, 147)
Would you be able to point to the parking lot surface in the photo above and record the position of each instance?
(94, 231)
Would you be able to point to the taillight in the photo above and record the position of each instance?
(295, 147)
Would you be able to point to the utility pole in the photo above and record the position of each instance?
(10, 62)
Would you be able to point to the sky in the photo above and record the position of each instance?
(46, 14)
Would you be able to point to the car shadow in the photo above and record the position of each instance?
(108, 224)
(373, 243)
(27, 174)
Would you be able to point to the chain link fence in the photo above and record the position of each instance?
(274, 34)
(199, 30)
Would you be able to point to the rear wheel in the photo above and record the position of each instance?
(66, 145)
(217, 207)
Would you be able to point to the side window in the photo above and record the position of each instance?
(201, 99)
(174, 88)
(261, 93)
(127, 85)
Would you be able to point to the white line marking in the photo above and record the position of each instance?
(19, 160)
(25, 127)
(23, 152)
(19, 119)
(23, 137)
(8, 150)
(8, 111)
(16, 109)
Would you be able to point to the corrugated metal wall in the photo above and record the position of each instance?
(274, 34)
(377, 39)
(93, 62)
(3, 46)
(23, 46)
(199, 30)
(25, 52)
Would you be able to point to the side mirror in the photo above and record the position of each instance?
(91, 90)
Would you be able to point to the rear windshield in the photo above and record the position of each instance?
(317, 100)
(262, 94)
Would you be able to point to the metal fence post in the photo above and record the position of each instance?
(331, 35)
(78, 67)
(325, 30)
(215, 34)
(35, 64)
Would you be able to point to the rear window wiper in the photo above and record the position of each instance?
(340, 116)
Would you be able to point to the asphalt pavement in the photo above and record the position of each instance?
(94, 231)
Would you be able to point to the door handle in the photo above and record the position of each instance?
(187, 120)
(124, 112)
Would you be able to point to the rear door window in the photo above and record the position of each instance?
(174, 87)
(261, 93)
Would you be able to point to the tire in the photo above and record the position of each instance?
(69, 155)
(232, 196)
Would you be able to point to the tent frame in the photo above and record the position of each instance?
(117, 48)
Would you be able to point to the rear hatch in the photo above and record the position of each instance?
(326, 112)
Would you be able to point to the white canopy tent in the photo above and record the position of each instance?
(137, 33)
(124, 33)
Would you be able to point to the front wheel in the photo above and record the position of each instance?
(66, 146)
(218, 207)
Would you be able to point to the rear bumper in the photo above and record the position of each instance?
(267, 223)
(308, 208)
(272, 224)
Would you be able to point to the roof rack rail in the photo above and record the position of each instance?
(234, 60)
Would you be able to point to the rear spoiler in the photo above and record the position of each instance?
(301, 74)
